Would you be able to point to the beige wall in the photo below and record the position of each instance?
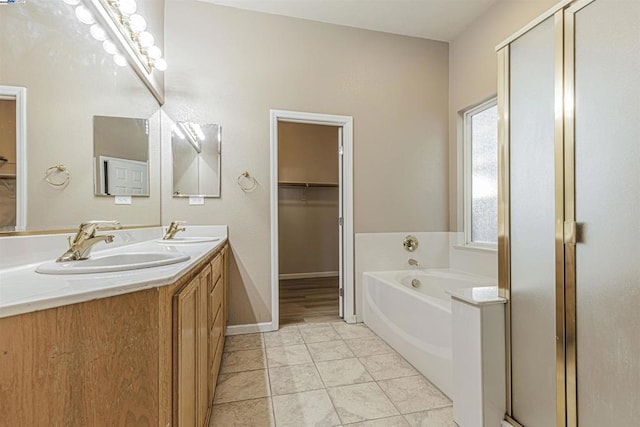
(307, 217)
(69, 78)
(473, 76)
(230, 66)
(307, 153)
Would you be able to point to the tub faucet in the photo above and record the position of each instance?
(414, 263)
(85, 238)
(173, 229)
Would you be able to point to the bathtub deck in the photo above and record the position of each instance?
(308, 300)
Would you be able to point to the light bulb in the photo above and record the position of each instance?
(154, 52)
(127, 7)
(160, 64)
(137, 23)
(98, 32)
(84, 15)
(145, 39)
(109, 47)
(72, 2)
(120, 60)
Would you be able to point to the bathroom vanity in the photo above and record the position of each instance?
(143, 350)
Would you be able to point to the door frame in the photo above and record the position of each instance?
(19, 94)
(346, 123)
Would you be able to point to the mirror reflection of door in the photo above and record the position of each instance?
(121, 149)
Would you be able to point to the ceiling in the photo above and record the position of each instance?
(429, 19)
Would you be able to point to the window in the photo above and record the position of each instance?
(481, 175)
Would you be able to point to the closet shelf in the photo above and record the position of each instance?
(307, 184)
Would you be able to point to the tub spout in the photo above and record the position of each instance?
(414, 263)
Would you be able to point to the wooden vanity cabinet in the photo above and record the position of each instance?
(149, 357)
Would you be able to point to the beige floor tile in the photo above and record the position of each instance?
(398, 421)
(434, 418)
(243, 360)
(294, 379)
(361, 402)
(289, 335)
(368, 346)
(242, 386)
(385, 366)
(257, 412)
(330, 350)
(322, 332)
(287, 355)
(343, 372)
(350, 331)
(243, 342)
(311, 408)
(412, 394)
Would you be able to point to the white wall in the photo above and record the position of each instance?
(231, 66)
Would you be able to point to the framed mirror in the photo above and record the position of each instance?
(196, 159)
(121, 153)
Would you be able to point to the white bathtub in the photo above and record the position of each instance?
(416, 322)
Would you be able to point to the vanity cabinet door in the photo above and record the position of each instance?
(192, 400)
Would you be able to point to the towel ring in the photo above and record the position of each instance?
(246, 182)
(57, 169)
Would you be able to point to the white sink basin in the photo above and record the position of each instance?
(187, 240)
(110, 263)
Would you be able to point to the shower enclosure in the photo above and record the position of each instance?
(569, 229)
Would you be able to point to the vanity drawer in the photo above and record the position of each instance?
(217, 268)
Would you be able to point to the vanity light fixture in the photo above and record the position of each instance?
(133, 27)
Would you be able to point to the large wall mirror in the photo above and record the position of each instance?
(196, 159)
(70, 78)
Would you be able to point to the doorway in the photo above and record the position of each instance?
(311, 218)
(13, 185)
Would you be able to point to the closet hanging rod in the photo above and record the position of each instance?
(307, 184)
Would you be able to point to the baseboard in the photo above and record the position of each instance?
(318, 274)
(250, 328)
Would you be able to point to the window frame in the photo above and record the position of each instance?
(467, 173)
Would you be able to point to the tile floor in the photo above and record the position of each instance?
(323, 374)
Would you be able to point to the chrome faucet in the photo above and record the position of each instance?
(414, 263)
(85, 238)
(173, 229)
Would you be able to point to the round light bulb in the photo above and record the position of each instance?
(109, 47)
(84, 15)
(137, 23)
(98, 32)
(160, 64)
(120, 60)
(154, 52)
(72, 2)
(127, 7)
(145, 39)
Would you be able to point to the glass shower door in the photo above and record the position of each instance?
(607, 210)
(532, 227)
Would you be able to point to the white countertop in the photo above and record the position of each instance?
(484, 295)
(22, 290)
